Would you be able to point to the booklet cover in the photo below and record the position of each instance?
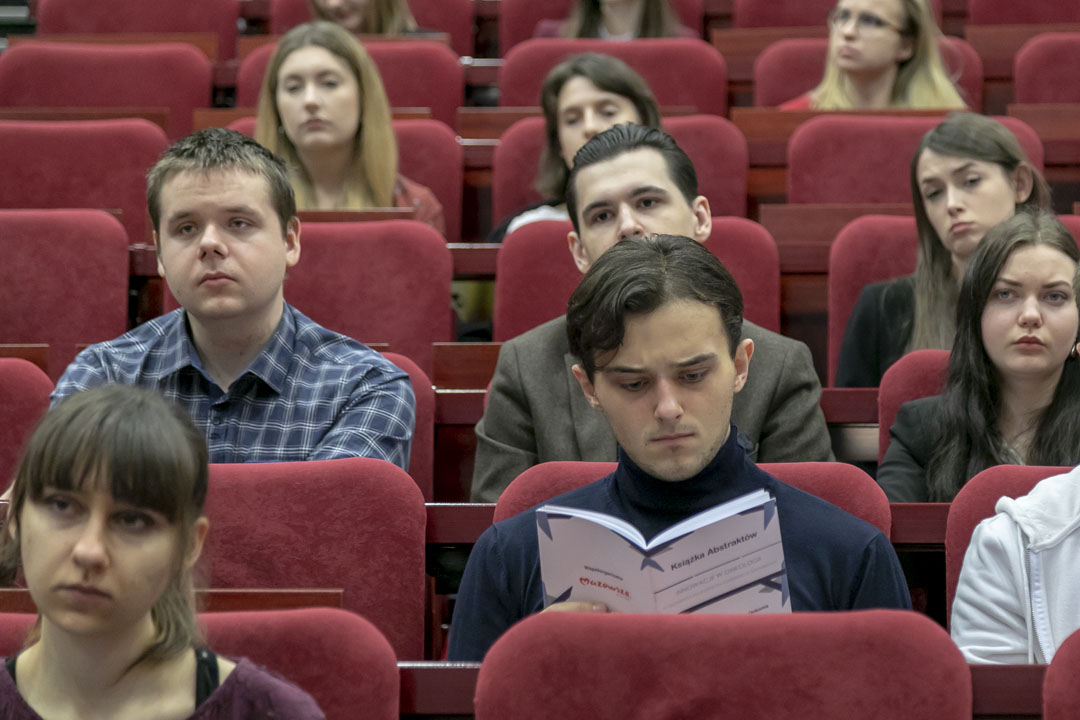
(727, 559)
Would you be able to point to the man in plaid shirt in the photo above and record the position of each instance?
(264, 381)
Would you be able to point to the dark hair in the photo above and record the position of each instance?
(657, 20)
(965, 135)
(214, 149)
(638, 276)
(968, 438)
(146, 452)
(625, 138)
(606, 73)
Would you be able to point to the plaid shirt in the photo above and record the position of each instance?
(310, 394)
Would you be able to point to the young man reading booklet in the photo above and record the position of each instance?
(656, 327)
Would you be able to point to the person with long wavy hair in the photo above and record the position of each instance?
(366, 17)
(323, 109)
(1012, 393)
(616, 20)
(968, 174)
(882, 54)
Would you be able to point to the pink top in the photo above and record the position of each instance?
(426, 207)
(800, 103)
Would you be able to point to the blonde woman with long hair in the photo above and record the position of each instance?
(882, 54)
(323, 109)
(617, 20)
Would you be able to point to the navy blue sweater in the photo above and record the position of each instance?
(834, 560)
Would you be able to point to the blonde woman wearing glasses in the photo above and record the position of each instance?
(882, 54)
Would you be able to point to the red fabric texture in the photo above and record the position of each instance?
(790, 68)
(337, 657)
(1008, 12)
(769, 13)
(882, 664)
(916, 375)
(868, 249)
(665, 64)
(715, 146)
(845, 486)
(1060, 691)
(422, 455)
(1045, 69)
(429, 153)
(975, 502)
(162, 16)
(90, 164)
(13, 629)
(355, 523)
(867, 159)
(415, 73)
(24, 398)
(1072, 223)
(170, 75)
(65, 280)
(518, 18)
(535, 273)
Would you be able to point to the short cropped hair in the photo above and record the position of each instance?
(625, 138)
(221, 149)
(636, 277)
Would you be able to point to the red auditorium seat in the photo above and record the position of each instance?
(416, 74)
(792, 67)
(843, 485)
(869, 249)
(867, 159)
(518, 18)
(1029, 12)
(769, 13)
(337, 657)
(422, 454)
(918, 374)
(65, 280)
(884, 664)
(145, 16)
(454, 17)
(1047, 69)
(665, 64)
(535, 274)
(93, 164)
(24, 398)
(47, 74)
(975, 502)
(356, 524)
(715, 146)
(1060, 689)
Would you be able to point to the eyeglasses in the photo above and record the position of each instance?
(865, 22)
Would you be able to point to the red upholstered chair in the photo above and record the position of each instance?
(867, 159)
(64, 279)
(355, 523)
(145, 16)
(422, 455)
(975, 502)
(429, 153)
(13, 629)
(338, 657)
(1072, 224)
(769, 13)
(868, 249)
(1006, 12)
(92, 164)
(665, 64)
(715, 146)
(1059, 693)
(843, 485)
(535, 273)
(884, 664)
(1045, 69)
(792, 67)
(415, 73)
(518, 18)
(918, 374)
(58, 74)
(24, 398)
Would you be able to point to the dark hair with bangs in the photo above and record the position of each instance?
(147, 452)
(636, 277)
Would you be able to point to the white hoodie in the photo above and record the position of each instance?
(1018, 596)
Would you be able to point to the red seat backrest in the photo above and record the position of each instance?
(422, 454)
(918, 374)
(1047, 69)
(1060, 690)
(24, 398)
(1007, 12)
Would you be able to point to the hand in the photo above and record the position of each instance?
(577, 607)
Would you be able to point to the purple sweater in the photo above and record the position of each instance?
(248, 693)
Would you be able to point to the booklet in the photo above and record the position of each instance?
(727, 559)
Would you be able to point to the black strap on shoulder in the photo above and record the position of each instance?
(206, 674)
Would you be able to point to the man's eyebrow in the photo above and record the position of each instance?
(630, 369)
(636, 192)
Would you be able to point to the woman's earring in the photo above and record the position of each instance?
(1074, 350)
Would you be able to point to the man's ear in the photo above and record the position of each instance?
(1023, 182)
(587, 387)
(743, 352)
(196, 540)
(702, 218)
(578, 252)
(292, 242)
